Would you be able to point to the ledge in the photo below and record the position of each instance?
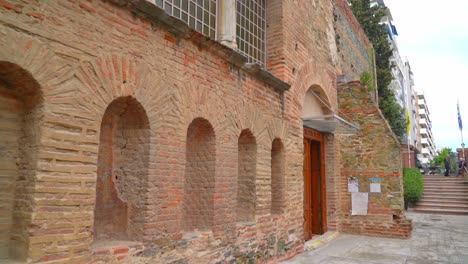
(180, 29)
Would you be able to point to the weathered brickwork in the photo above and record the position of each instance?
(373, 152)
(246, 194)
(124, 133)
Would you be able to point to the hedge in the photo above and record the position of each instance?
(412, 184)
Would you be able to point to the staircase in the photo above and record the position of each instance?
(443, 195)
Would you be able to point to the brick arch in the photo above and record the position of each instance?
(312, 75)
(246, 176)
(199, 182)
(29, 54)
(110, 76)
(122, 173)
(196, 100)
(243, 116)
(278, 179)
(276, 128)
(21, 111)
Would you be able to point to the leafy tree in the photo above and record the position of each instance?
(438, 161)
(369, 17)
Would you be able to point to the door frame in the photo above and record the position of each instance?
(311, 134)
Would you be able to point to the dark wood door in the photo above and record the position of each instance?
(316, 190)
(314, 184)
(307, 192)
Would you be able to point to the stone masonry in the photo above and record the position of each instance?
(124, 133)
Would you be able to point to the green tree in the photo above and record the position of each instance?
(438, 160)
(369, 17)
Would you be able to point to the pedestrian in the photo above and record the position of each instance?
(447, 165)
(461, 167)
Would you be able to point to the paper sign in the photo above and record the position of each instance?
(375, 185)
(359, 201)
(353, 184)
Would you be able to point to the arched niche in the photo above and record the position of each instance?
(20, 115)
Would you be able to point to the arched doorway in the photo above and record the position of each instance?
(315, 222)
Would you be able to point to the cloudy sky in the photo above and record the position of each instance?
(433, 36)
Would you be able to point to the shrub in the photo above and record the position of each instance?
(412, 184)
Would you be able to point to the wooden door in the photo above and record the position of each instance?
(316, 190)
(314, 184)
(307, 191)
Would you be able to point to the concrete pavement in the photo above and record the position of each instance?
(436, 239)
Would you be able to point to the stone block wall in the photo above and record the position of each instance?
(373, 152)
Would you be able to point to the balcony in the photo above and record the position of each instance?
(423, 122)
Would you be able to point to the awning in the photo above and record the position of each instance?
(330, 124)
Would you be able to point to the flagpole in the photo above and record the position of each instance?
(409, 154)
(460, 125)
(462, 144)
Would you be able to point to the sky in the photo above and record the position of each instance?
(433, 36)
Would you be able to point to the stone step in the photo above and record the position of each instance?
(454, 180)
(443, 177)
(445, 189)
(444, 197)
(441, 211)
(441, 201)
(423, 205)
(449, 193)
(454, 186)
(435, 181)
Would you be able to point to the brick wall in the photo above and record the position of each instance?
(352, 44)
(122, 172)
(373, 152)
(19, 128)
(199, 176)
(246, 192)
(180, 103)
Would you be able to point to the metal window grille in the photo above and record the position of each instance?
(198, 14)
(250, 29)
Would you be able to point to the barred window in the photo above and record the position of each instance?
(198, 14)
(250, 29)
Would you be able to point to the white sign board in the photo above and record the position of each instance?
(375, 185)
(353, 184)
(359, 201)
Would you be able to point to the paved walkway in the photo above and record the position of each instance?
(435, 239)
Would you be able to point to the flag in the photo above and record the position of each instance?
(394, 31)
(460, 125)
(408, 122)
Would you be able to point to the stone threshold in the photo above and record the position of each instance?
(320, 240)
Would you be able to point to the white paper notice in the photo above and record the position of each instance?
(375, 185)
(353, 184)
(359, 201)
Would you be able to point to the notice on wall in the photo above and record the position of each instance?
(353, 184)
(359, 202)
(375, 185)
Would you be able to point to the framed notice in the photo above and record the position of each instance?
(353, 184)
(375, 185)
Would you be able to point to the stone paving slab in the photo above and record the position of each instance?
(436, 239)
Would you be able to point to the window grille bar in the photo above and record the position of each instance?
(198, 14)
(250, 30)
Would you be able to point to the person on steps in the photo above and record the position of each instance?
(447, 165)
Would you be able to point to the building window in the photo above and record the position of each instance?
(250, 29)
(198, 14)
